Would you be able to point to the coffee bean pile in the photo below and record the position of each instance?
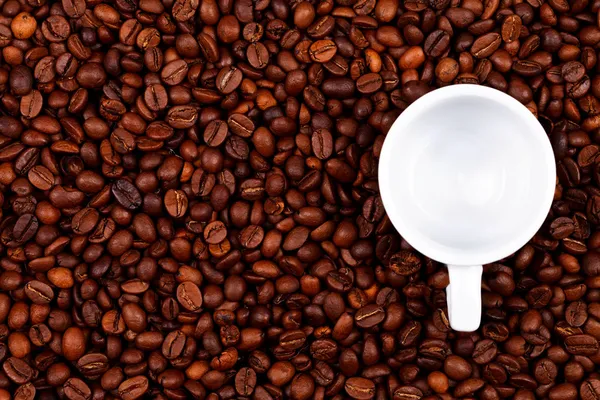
(190, 205)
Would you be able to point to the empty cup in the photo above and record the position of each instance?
(467, 176)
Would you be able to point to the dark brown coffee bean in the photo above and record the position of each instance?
(25, 392)
(369, 83)
(468, 387)
(245, 381)
(40, 334)
(511, 28)
(133, 388)
(93, 365)
(251, 236)
(17, 370)
(126, 194)
(437, 43)
(228, 79)
(240, 125)
(176, 203)
(405, 263)
(485, 45)
(25, 227)
(576, 313)
(407, 392)
(590, 389)
(581, 344)
(215, 232)
(85, 221)
(527, 68)
(183, 10)
(485, 351)
(56, 28)
(292, 340)
(173, 344)
(74, 8)
(156, 97)
(360, 388)
(189, 296)
(148, 38)
(208, 47)
(573, 71)
(322, 143)
(76, 389)
(174, 72)
(31, 104)
(324, 349)
(369, 316)
(182, 117)
(41, 177)
(215, 133)
(322, 51)
(545, 371)
(258, 55)
(39, 292)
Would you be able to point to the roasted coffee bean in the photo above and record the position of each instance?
(126, 194)
(25, 227)
(576, 313)
(74, 8)
(39, 292)
(31, 104)
(17, 370)
(189, 296)
(322, 51)
(245, 381)
(545, 371)
(486, 45)
(258, 55)
(215, 133)
(25, 392)
(590, 389)
(228, 79)
(40, 334)
(173, 345)
(405, 263)
(240, 125)
(41, 177)
(93, 365)
(176, 203)
(485, 351)
(360, 388)
(76, 389)
(133, 388)
(511, 28)
(156, 97)
(369, 316)
(85, 221)
(407, 392)
(581, 344)
(369, 83)
(436, 43)
(56, 28)
(573, 71)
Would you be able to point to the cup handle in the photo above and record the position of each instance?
(464, 297)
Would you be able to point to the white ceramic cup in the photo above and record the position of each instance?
(467, 176)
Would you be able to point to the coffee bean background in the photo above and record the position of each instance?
(190, 209)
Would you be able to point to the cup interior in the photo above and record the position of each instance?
(467, 175)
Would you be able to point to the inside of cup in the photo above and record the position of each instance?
(469, 176)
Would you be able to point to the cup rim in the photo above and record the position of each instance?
(412, 235)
